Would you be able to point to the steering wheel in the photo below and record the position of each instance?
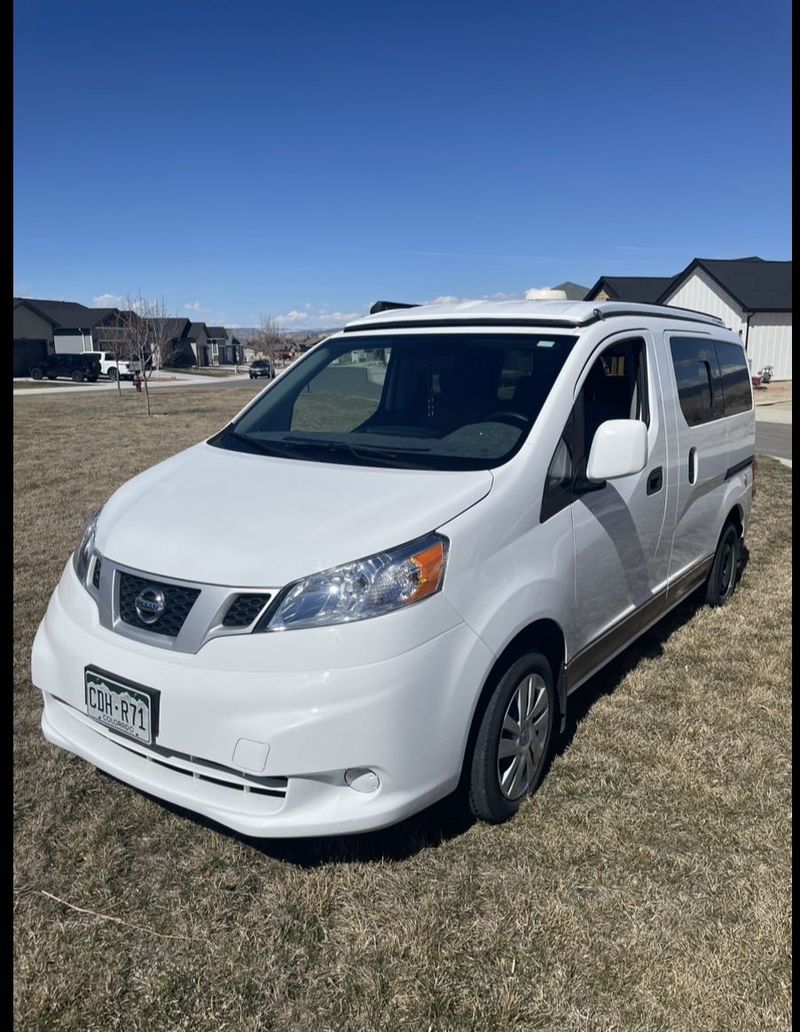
(503, 416)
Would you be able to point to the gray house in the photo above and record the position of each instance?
(222, 350)
(37, 322)
(175, 348)
(198, 338)
(33, 335)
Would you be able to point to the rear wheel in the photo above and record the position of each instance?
(112, 373)
(722, 579)
(513, 740)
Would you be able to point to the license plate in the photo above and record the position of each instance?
(121, 707)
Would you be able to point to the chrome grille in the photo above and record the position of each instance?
(178, 602)
(194, 612)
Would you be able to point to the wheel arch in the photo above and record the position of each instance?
(543, 635)
(736, 517)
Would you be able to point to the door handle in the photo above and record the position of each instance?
(655, 480)
(692, 465)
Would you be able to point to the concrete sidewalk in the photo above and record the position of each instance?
(158, 380)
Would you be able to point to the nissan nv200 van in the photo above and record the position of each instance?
(463, 511)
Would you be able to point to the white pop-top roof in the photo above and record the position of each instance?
(565, 313)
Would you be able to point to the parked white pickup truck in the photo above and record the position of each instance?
(112, 367)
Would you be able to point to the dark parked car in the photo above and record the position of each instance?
(75, 367)
(261, 367)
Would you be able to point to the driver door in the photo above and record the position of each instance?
(621, 541)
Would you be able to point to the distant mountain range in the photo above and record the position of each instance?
(246, 333)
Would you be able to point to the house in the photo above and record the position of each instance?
(644, 290)
(234, 347)
(33, 335)
(574, 291)
(195, 344)
(223, 347)
(38, 322)
(174, 348)
(752, 296)
(198, 338)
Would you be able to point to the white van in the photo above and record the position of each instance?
(450, 537)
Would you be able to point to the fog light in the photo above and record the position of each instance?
(362, 779)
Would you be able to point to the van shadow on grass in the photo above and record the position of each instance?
(450, 818)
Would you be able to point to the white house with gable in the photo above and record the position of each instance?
(752, 296)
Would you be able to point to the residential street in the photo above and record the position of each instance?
(774, 439)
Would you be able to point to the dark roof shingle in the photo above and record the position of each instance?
(758, 285)
(644, 290)
(68, 314)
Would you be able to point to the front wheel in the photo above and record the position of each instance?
(722, 579)
(513, 740)
(36, 374)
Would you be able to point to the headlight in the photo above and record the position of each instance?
(83, 553)
(368, 587)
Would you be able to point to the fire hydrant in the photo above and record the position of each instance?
(137, 383)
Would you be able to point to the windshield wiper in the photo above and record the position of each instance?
(386, 457)
(254, 443)
(289, 447)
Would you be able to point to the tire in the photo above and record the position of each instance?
(499, 783)
(36, 374)
(721, 581)
(112, 373)
(78, 377)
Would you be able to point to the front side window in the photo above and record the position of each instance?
(417, 401)
(615, 388)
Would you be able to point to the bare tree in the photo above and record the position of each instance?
(270, 341)
(143, 336)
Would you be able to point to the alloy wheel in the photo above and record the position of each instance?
(523, 737)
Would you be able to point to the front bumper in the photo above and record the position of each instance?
(395, 695)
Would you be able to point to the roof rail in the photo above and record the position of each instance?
(595, 314)
(385, 306)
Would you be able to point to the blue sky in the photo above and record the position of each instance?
(303, 159)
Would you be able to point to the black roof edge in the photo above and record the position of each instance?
(385, 306)
(686, 314)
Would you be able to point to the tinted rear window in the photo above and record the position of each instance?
(713, 378)
(698, 379)
(736, 391)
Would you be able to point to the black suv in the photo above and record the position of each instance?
(76, 367)
(261, 367)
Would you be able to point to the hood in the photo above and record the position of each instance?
(232, 518)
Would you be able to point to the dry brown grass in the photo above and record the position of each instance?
(646, 885)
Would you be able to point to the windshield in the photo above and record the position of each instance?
(415, 401)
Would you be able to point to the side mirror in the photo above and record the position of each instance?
(619, 449)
